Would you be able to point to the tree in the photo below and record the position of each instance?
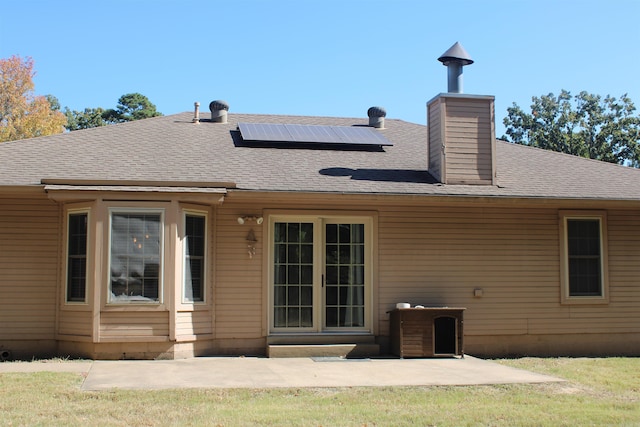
(132, 106)
(22, 113)
(88, 118)
(53, 102)
(585, 125)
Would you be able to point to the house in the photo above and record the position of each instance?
(222, 233)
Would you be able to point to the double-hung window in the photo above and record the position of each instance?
(135, 256)
(584, 252)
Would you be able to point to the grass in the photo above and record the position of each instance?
(600, 391)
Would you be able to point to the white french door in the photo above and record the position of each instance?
(320, 274)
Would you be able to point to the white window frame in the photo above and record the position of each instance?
(320, 220)
(88, 252)
(136, 210)
(205, 263)
(566, 297)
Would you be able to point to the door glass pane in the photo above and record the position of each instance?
(293, 232)
(280, 253)
(280, 275)
(306, 253)
(332, 295)
(344, 275)
(306, 232)
(293, 275)
(306, 317)
(306, 295)
(306, 274)
(293, 296)
(280, 317)
(331, 231)
(280, 232)
(280, 295)
(331, 275)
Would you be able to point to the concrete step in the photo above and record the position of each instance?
(345, 350)
(317, 339)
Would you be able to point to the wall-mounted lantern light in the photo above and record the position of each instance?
(244, 218)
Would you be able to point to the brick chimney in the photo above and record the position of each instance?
(461, 129)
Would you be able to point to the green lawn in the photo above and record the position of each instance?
(599, 391)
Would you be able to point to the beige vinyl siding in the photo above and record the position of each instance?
(139, 325)
(29, 244)
(427, 251)
(624, 259)
(513, 256)
(621, 314)
(190, 323)
(438, 256)
(468, 141)
(238, 293)
(75, 323)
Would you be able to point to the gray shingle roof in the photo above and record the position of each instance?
(172, 148)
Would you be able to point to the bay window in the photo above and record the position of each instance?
(135, 256)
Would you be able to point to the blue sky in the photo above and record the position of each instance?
(327, 58)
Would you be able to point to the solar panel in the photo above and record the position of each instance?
(302, 133)
(263, 132)
(269, 132)
(360, 135)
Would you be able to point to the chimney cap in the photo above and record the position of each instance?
(456, 54)
(376, 112)
(218, 105)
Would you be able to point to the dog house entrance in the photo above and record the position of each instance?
(444, 335)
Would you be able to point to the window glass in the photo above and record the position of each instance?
(583, 243)
(136, 243)
(194, 257)
(77, 257)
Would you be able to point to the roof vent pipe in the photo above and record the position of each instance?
(196, 113)
(454, 59)
(219, 111)
(376, 117)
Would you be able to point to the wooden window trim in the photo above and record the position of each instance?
(565, 297)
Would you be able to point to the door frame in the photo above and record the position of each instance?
(319, 219)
